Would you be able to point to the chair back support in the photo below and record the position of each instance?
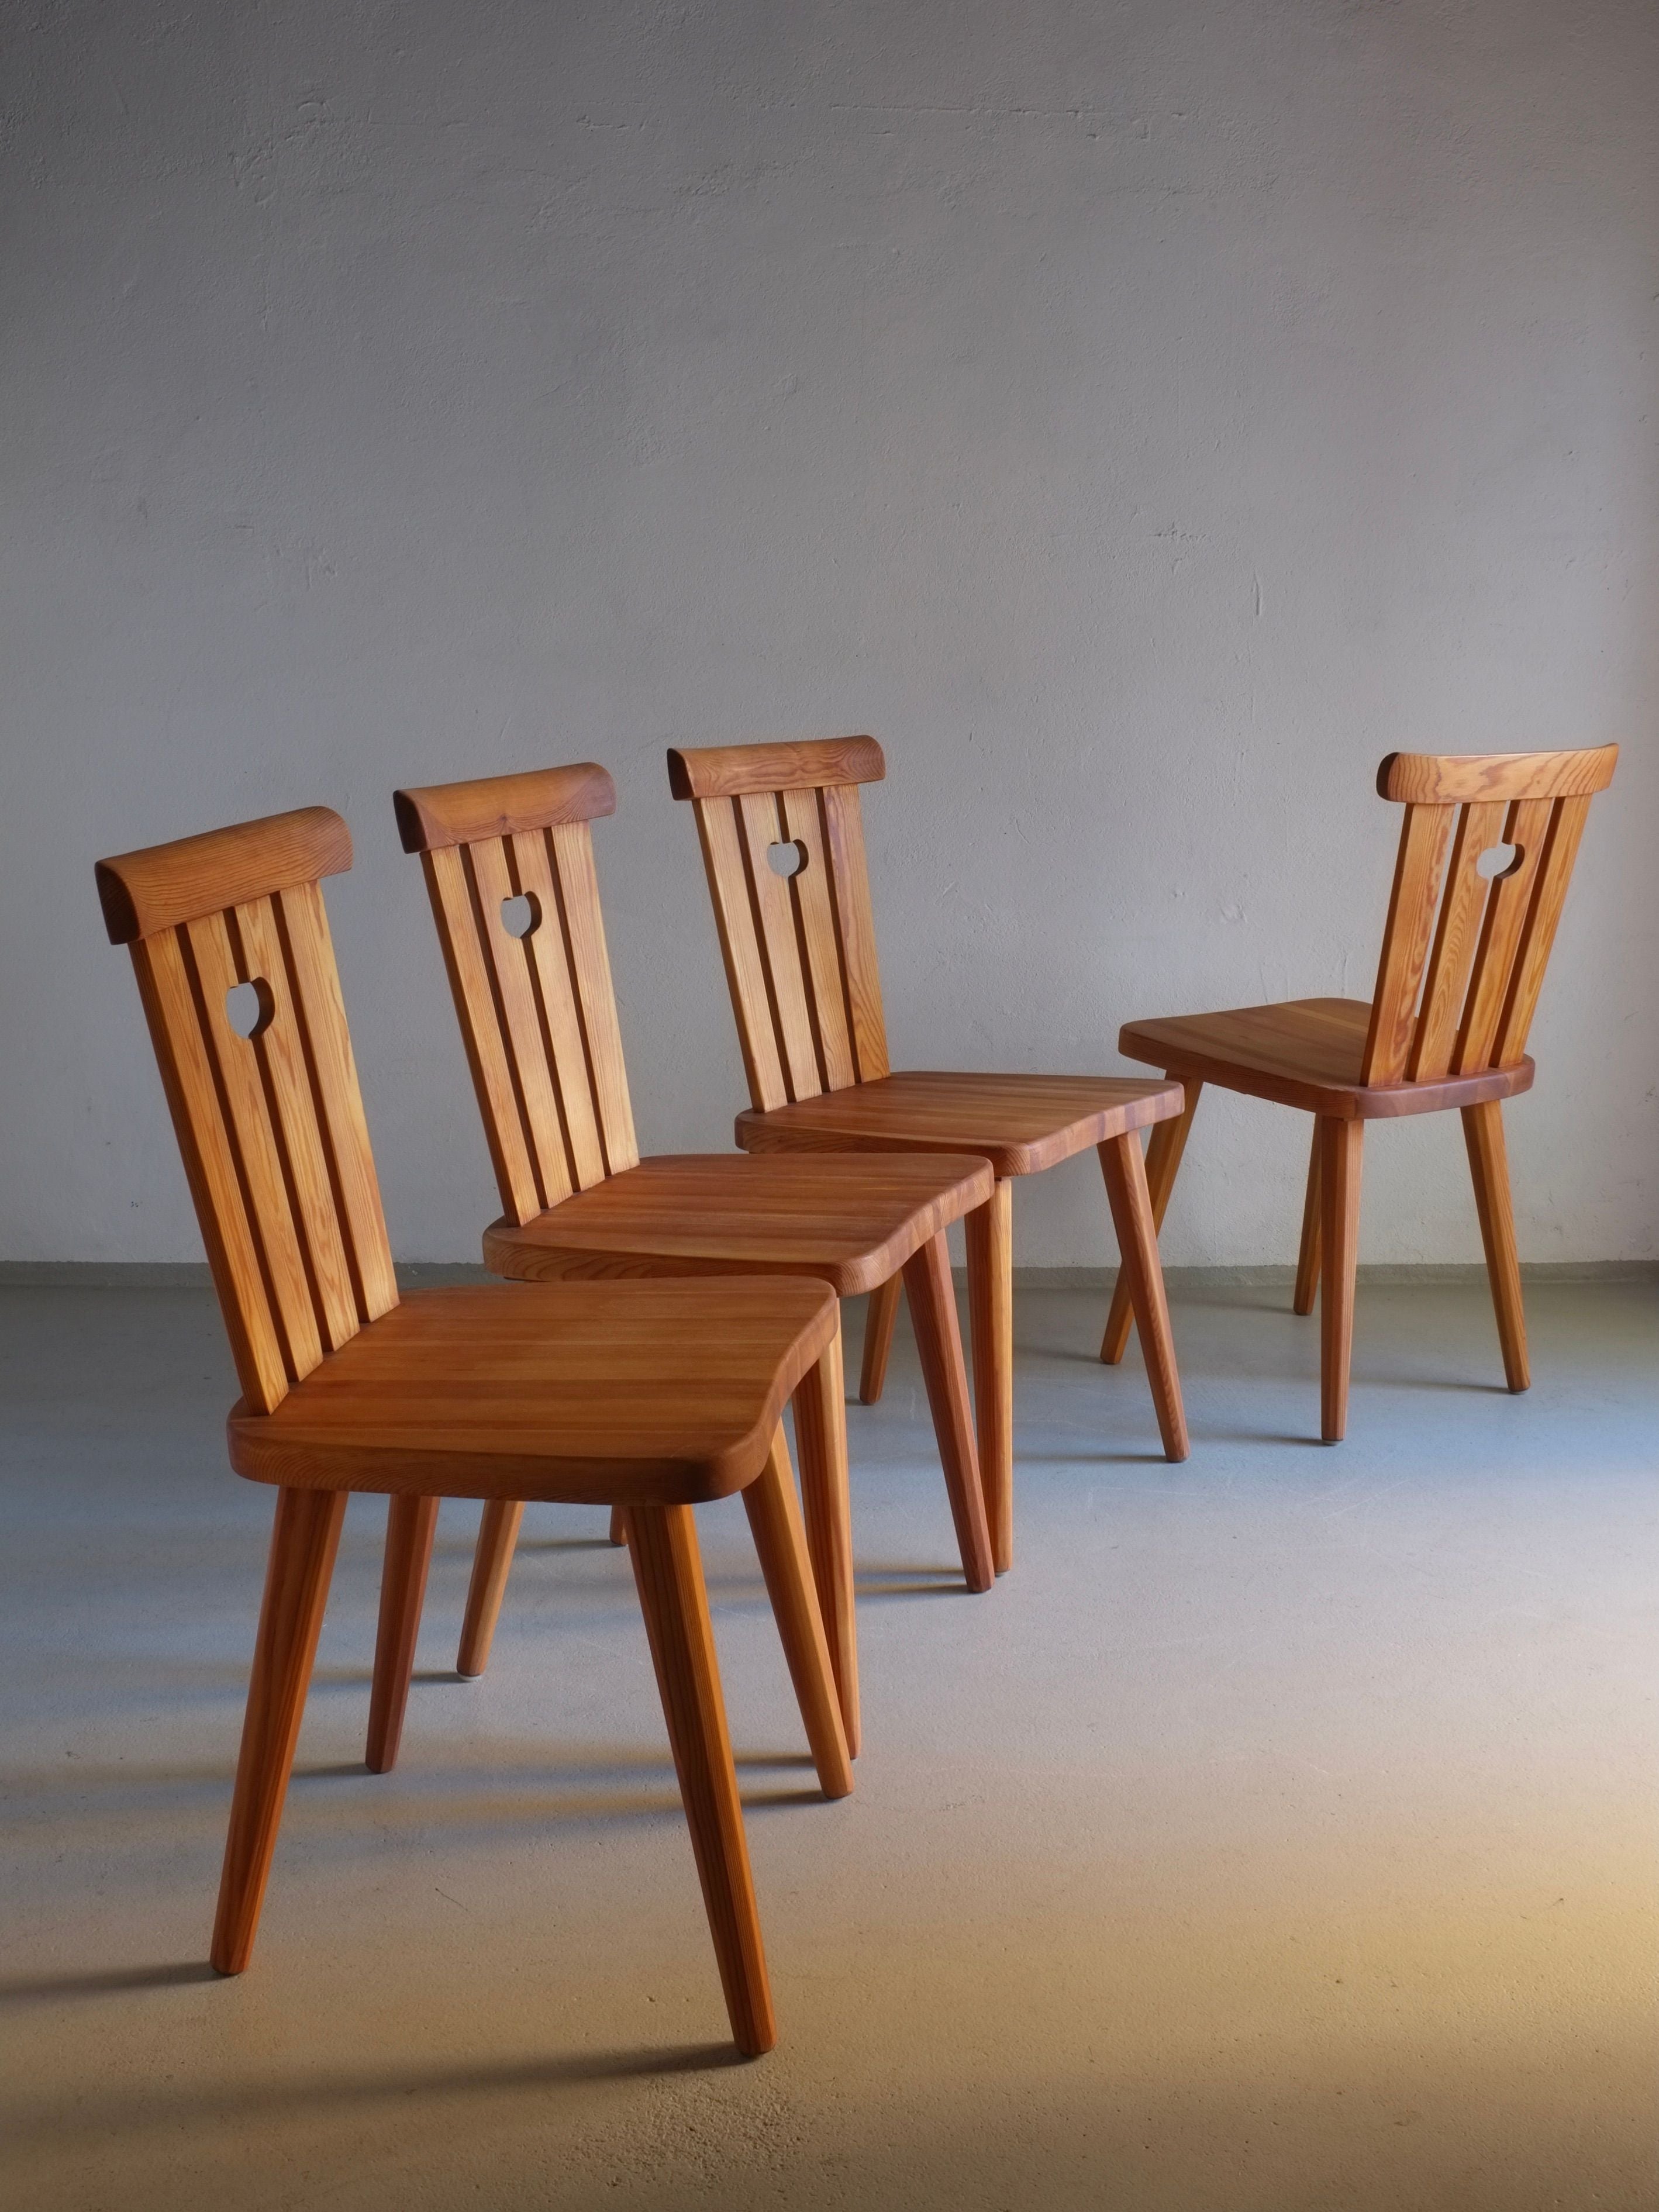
(270, 1124)
(799, 948)
(537, 1011)
(1463, 953)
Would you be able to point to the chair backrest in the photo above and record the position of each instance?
(271, 1122)
(799, 943)
(1466, 1005)
(509, 864)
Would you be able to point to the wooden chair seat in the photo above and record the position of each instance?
(1021, 1124)
(688, 1214)
(596, 1393)
(1309, 1053)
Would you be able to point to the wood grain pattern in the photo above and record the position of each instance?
(1538, 937)
(772, 900)
(662, 1544)
(1125, 1173)
(932, 1302)
(774, 1521)
(146, 892)
(1454, 778)
(733, 771)
(1310, 1251)
(851, 1222)
(572, 847)
(1405, 944)
(990, 1238)
(1489, 1169)
(1021, 1124)
(821, 945)
(879, 1317)
(1478, 828)
(492, 1559)
(1341, 1157)
(305, 1539)
(1164, 1151)
(740, 950)
(1305, 1053)
(1507, 902)
(849, 877)
(591, 1392)
(820, 1408)
(411, 1523)
(487, 809)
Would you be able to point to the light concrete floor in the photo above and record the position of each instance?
(1279, 1835)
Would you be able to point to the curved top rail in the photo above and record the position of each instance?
(735, 771)
(161, 886)
(433, 815)
(1455, 779)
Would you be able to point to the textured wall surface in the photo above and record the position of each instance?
(1141, 418)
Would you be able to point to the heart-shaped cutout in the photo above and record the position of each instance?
(1499, 861)
(249, 1007)
(786, 860)
(521, 914)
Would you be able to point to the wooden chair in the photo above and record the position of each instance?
(1446, 1026)
(650, 1397)
(509, 866)
(800, 960)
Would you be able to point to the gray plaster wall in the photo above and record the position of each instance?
(1141, 418)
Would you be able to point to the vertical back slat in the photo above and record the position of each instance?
(303, 920)
(1479, 827)
(1405, 941)
(187, 1077)
(745, 973)
(843, 823)
(470, 983)
(549, 959)
(572, 847)
(280, 1050)
(775, 919)
(519, 1017)
(253, 1140)
(1507, 902)
(1532, 956)
(814, 907)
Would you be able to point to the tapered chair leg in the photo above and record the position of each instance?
(662, 1544)
(1140, 1267)
(411, 1522)
(1163, 1151)
(303, 1543)
(1340, 1155)
(990, 1231)
(1489, 1165)
(498, 1537)
(820, 1404)
(618, 1525)
(1306, 1258)
(879, 1316)
(780, 1541)
(938, 1340)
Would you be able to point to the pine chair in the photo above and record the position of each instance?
(651, 1397)
(509, 867)
(1446, 1026)
(800, 962)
